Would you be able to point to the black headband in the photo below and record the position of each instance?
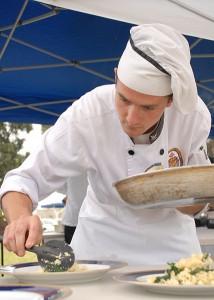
(148, 58)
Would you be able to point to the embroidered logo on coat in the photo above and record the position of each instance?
(175, 158)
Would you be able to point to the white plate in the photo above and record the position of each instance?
(31, 272)
(32, 292)
(140, 279)
(19, 295)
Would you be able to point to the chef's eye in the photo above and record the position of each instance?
(148, 108)
(124, 100)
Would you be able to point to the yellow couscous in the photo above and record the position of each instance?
(195, 270)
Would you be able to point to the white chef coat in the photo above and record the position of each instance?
(75, 189)
(88, 137)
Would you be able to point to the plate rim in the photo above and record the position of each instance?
(112, 265)
(65, 291)
(25, 292)
(147, 188)
(155, 287)
(165, 170)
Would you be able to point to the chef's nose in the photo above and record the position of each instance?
(133, 114)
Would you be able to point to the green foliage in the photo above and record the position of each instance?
(10, 145)
(45, 127)
(1, 216)
(11, 258)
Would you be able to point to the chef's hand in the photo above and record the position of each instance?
(25, 231)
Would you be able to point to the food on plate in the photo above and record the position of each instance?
(56, 264)
(195, 270)
(78, 268)
(75, 268)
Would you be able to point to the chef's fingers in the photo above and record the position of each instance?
(16, 234)
(35, 232)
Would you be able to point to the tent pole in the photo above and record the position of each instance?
(13, 29)
(32, 20)
(193, 10)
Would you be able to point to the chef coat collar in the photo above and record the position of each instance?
(155, 133)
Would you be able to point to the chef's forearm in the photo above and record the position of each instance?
(15, 204)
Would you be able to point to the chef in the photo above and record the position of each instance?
(151, 115)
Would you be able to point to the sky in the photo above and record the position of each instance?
(31, 139)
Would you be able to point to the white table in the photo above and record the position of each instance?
(205, 235)
(109, 289)
(206, 238)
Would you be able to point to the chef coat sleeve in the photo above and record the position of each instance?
(59, 155)
(201, 131)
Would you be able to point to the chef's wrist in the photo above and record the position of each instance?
(193, 210)
(201, 211)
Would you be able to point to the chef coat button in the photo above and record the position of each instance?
(161, 151)
(131, 152)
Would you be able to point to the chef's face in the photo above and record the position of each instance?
(138, 113)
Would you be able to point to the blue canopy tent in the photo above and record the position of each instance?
(50, 56)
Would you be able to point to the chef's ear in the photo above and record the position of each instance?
(170, 100)
(115, 75)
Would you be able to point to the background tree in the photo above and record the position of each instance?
(45, 127)
(210, 147)
(10, 145)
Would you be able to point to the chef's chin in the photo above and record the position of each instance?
(132, 133)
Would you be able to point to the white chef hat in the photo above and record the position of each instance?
(156, 61)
